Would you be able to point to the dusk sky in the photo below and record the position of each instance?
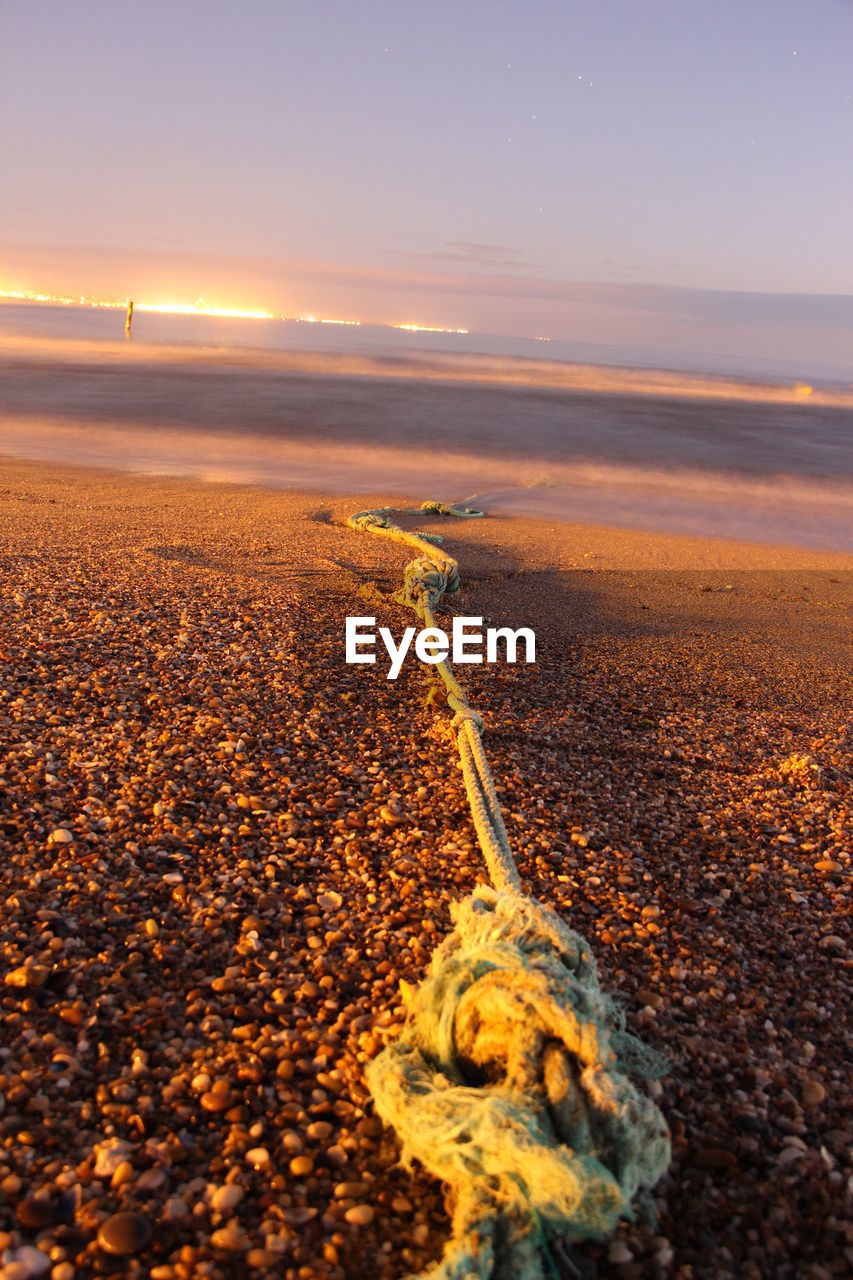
(520, 168)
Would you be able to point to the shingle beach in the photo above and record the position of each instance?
(222, 849)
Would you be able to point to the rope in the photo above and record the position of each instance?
(511, 1080)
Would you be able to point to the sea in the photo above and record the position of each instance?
(661, 441)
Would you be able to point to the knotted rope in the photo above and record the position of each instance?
(511, 1080)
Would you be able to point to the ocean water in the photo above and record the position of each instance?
(43, 321)
(639, 440)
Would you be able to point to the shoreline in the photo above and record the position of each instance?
(664, 547)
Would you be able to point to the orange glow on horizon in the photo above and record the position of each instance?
(426, 328)
(197, 308)
(325, 320)
(55, 299)
(202, 308)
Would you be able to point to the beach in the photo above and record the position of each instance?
(222, 849)
(426, 642)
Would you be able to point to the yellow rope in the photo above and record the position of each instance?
(429, 578)
(511, 1079)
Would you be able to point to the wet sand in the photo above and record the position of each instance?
(221, 849)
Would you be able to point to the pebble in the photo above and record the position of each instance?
(216, 1100)
(226, 1198)
(320, 1130)
(109, 1156)
(258, 1157)
(27, 975)
(360, 1215)
(123, 1173)
(125, 1233)
(36, 1212)
(152, 1179)
(813, 1093)
(230, 1239)
(260, 1259)
(349, 1190)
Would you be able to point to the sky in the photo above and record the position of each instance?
(614, 170)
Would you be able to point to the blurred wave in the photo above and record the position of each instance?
(781, 509)
(643, 449)
(478, 368)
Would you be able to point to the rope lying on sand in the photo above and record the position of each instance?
(511, 1080)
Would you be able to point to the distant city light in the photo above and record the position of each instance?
(325, 320)
(426, 328)
(202, 308)
(197, 308)
(41, 297)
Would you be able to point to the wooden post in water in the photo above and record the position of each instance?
(129, 319)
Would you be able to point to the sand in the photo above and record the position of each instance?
(221, 849)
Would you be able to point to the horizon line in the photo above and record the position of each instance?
(214, 311)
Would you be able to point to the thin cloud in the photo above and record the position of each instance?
(472, 253)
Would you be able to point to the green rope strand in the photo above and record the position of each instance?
(511, 1080)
